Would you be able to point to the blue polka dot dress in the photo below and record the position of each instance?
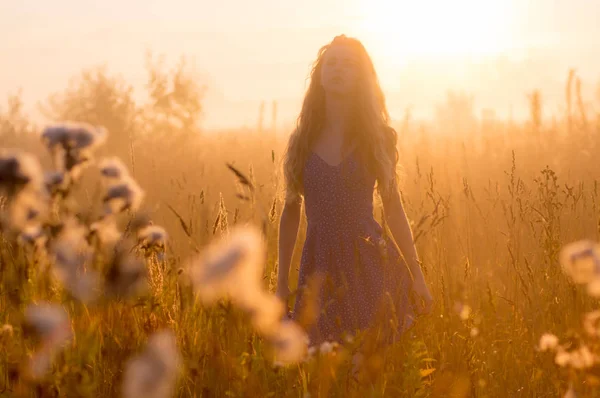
(363, 278)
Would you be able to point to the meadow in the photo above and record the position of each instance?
(493, 204)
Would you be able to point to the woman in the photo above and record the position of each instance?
(342, 149)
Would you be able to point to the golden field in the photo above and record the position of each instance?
(492, 204)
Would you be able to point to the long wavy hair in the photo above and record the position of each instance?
(372, 136)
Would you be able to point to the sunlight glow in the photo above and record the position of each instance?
(409, 29)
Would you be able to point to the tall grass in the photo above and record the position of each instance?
(490, 210)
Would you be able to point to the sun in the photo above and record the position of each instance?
(403, 30)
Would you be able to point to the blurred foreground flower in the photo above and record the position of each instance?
(106, 230)
(28, 209)
(50, 323)
(231, 267)
(55, 182)
(7, 329)
(22, 183)
(593, 288)
(581, 261)
(122, 191)
(591, 323)
(73, 255)
(127, 275)
(548, 342)
(463, 310)
(34, 236)
(152, 237)
(19, 170)
(153, 373)
(290, 343)
(580, 358)
(124, 195)
(328, 347)
(72, 144)
(113, 170)
(266, 311)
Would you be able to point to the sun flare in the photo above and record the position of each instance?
(408, 29)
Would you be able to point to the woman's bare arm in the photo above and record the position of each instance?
(396, 219)
(288, 232)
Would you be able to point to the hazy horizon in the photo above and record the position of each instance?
(247, 53)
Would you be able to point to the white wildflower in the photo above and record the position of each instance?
(593, 288)
(581, 261)
(290, 343)
(55, 181)
(231, 267)
(51, 323)
(72, 255)
(18, 170)
(106, 230)
(582, 358)
(153, 373)
(28, 209)
(22, 185)
(74, 136)
(548, 342)
(152, 236)
(590, 323)
(113, 169)
(327, 347)
(463, 310)
(266, 311)
(6, 329)
(127, 275)
(562, 357)
(124, 195)
(33, 235)
(72, 145)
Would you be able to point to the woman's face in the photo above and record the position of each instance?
(340, 70)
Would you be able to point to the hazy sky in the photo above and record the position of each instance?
(248, 51)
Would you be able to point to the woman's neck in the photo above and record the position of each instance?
(337, 114)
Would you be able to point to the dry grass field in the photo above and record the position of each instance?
(494, 207)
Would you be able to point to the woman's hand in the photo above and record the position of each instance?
(283, 292)
(422, 296)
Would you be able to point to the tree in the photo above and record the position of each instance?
(97, 98)
(13, 122)
(16, 130)
(176, 97)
